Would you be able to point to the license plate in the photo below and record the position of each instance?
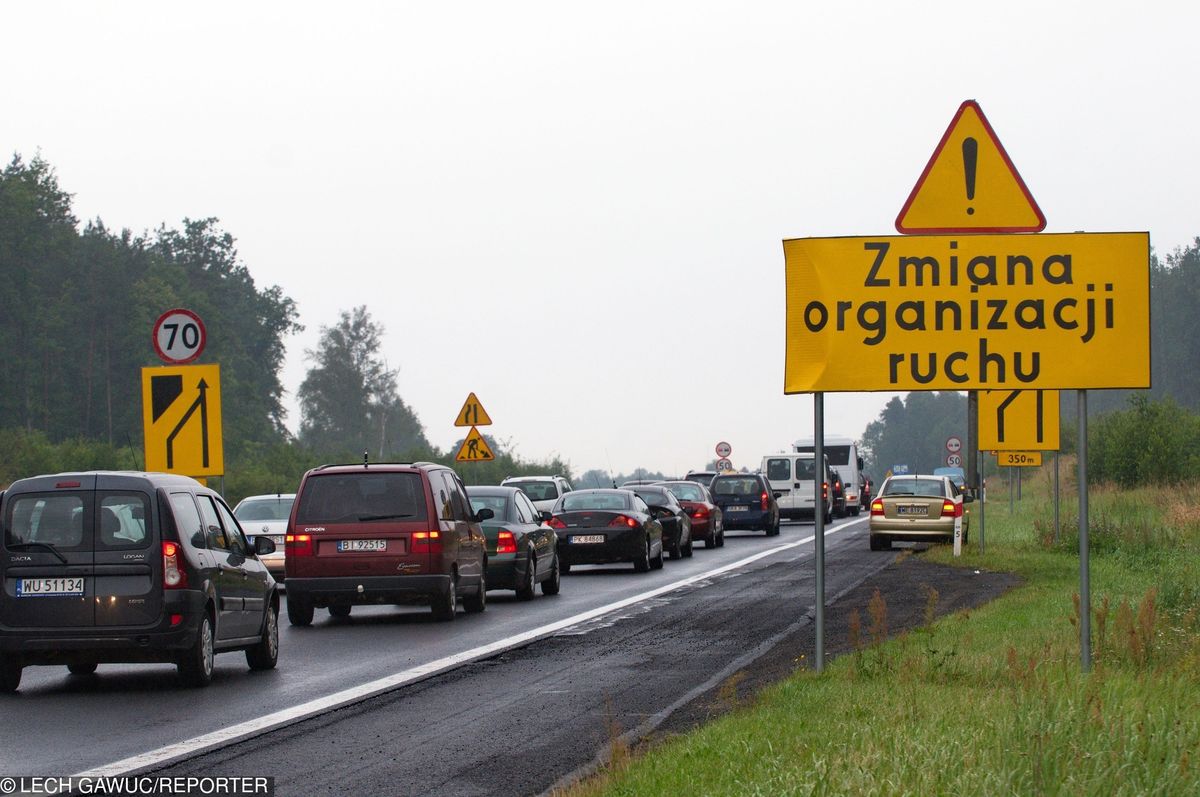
(911, 509)
(362, 545)
(736, 508)
(580, 539)
(44, 587)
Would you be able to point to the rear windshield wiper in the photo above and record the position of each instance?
(25, 546)
(366, 518)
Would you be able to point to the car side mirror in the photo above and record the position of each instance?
(484, 514)
(777, 494)
(969, 498)
(263, 545)
(543, 515)
(198, 540)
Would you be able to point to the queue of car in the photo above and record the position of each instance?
(144, 567)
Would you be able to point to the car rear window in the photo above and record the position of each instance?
(537, 491)
(779, 470)
(687, 492)
(264, 509)
(497, 503)
(56, 519)
(362, 498)
(723, 485)
(122, 521)
(930, 488)
(573, 502)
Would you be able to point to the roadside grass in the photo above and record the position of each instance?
(990, 701)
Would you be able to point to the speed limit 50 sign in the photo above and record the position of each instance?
(179, 336)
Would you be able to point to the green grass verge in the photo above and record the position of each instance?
(991, 701)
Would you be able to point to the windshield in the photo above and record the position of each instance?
(275, 508)
(574, 502)
(362, 497)
(537, 491)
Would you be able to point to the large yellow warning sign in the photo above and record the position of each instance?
(474, 448)
(1018, 420)
(968, 312)
(970, 185)
(181, 414)
(472, 413)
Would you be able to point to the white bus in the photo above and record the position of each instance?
(843, 456)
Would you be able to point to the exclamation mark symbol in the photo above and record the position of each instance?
(970, 157)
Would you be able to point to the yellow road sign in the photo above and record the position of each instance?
(970, 185)
(474, 448)
(181, 414)
(1021, 420)
(1019, 459)
(472, 413)
(970, 312)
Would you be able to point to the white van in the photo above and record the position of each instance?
(793, 481)
(843, 456)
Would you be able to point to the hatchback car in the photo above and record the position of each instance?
(603, 526)
(704, 514)
(129, 567)
(522, 551)
(389, 533)
(544, 491)
(917, 508)
(746, 502)
(267, 515)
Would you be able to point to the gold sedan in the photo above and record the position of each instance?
(917, 509)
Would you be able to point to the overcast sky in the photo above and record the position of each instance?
(575, 210)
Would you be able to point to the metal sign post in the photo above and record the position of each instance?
(1056, 499)
(1085, 595)
(982, 500)
(819, 526)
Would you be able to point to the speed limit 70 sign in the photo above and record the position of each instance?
(179, 336)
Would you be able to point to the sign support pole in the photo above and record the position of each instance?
(1056, 498)
(1012, 491)
(1085, 595)
(1018, 484)
(980, 499)
(973, 440)
(819, 527)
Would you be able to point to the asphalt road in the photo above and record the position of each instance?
(516, 719)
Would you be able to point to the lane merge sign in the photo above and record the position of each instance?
(1019, 420)
(179, 336)
(181, 416)
(472, 413)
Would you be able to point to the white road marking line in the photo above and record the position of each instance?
(357, 694)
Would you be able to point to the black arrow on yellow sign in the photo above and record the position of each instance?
(201, 404)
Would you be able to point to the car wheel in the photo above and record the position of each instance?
(82, 668)
(445, 605)
(525, 589)
(880, 543)
(553, 584)
(196, 664)
(711, 540)
(339, 610)
(657, 562)
(854, 512)
(773, 530)
(677, 548)
(10, 676)
(641, 562)
(474, 604)
(690, 548)
(300, 611)
(265, 654)
(721, 539)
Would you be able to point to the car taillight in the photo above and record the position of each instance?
(426, 542)
(506, 543)
(877, 507)
(762, 499)
(174, 576)
(825, 490)
(950, 508)
(298, 545)
(700, 512)
(624, 520)
(556, 523)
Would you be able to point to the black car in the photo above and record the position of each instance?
(746, 502)
(676, 525)
(522, 552)
(837, 494)
(703, 477)
(604, 526)
(129, 567)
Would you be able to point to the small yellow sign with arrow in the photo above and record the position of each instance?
(181, 412)
(472, 413)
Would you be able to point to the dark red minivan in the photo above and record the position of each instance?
(384, 533)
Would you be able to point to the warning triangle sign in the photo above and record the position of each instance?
(474, 449)
(970, 185)
(472, 413)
